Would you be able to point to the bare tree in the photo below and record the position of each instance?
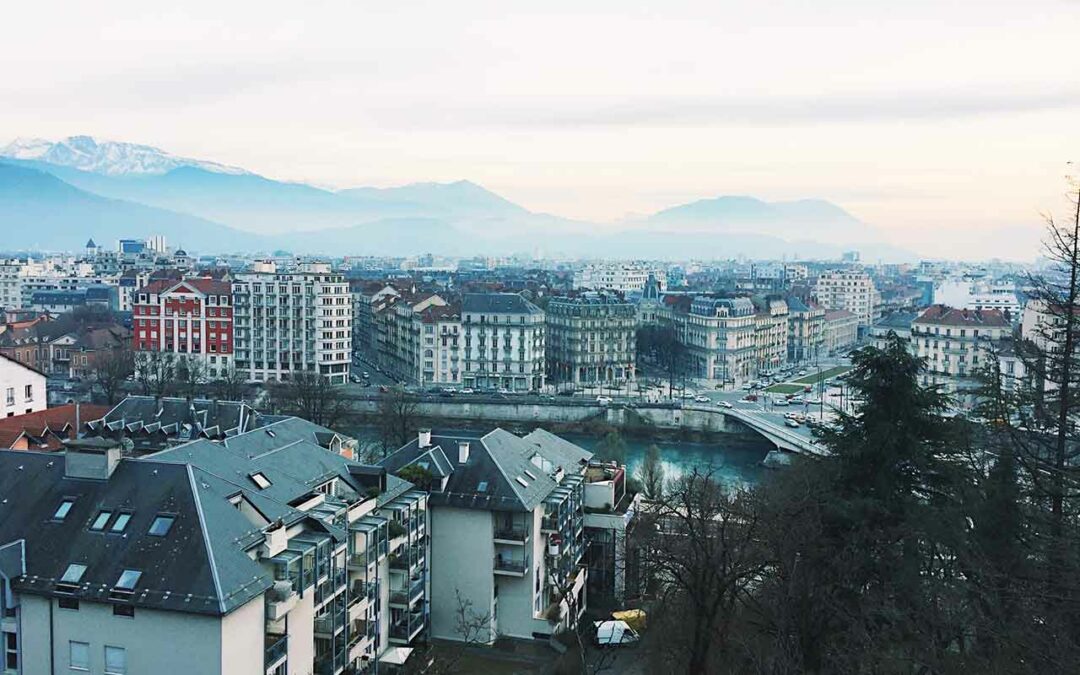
(230, 385)
(111, 370)
(473, 628)
(311, 396)
(397, 418)
(651, 475)
(190, 376)
(155, 372)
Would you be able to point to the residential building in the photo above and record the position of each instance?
(806, 330)
(591, 339)
(508, 511)
(260, 557)
(719, 334)
(189, 318)
(504, 342)
(289, 322)
(840, 331)
(368, 299)
(620, 277)
(46, 430)
(770, 333)
(898, 322)
(849, 290)
(957, 342)
(67, 346)
(23, 387)
(418, 338)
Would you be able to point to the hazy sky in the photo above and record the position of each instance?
(947, 124)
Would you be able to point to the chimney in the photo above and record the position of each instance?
(93, 458)
(462, 452)
(424, 438)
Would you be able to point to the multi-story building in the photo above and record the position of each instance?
(840, 331)
(621, 277)
(806, 330)
(849, 290)
(291, 322)
(770, 333)
(369, 297)
(189, 318)
(956, 343)
(407, 343)
(253, 557)
(591, 339)
(898, 322)
(23, 387)
(719, 335)
(504, 342)
(507, 525)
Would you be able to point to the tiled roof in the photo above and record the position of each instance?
(45, 427)
(498, 303)
(943, 315)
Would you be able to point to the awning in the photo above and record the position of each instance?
(396, 656)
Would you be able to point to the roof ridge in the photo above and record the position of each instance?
(206, 538)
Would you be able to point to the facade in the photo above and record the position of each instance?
(504, 342)
(591, 339)
(622, 278)
(770, 333)
(23, 388)
(840, 331)
(368, 300)
(806, 330)
(190, 318)
(408, 326)
(956, 342)
(849, 290)
(898, 322)
(257, 558)
(291, 322)
(509, 512)
(719, 334)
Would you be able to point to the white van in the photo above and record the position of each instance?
(615, 633)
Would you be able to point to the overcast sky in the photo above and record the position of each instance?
(945, 123)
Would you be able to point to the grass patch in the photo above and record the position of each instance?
(784, 389)
(831, 372)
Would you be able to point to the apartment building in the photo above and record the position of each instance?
(292, 321)
(956, 342)
(849, 290)
(619, 277)
(806, 330)
(840, 331)
(23, 387)
(255, 557)
(770, 333)
(591, 339)
(369, 297)
(898, 322)
(504, 342)
(509, 512)
(719, 334)
(189, 318)
(416, 330)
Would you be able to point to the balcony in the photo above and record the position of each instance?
(277, 648)
(358, 561)
(403, 597)
(511, 534)
(507, 566)
(407, 628)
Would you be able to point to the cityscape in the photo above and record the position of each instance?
(419, 341)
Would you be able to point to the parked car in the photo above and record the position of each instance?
(688, 395)
(603, 400)
(615, 633)
(747, 387)
(779, 401)
(468, 390)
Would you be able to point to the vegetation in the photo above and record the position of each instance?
(309, 395)
(397, 419)
(612, 448)
(417, 475)
(651, 475)
(111, 370)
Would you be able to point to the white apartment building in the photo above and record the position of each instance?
(23, 388)
(978, 293)
(293, 321)
(504, 338)
(623, 278)
(246, 557)
(850, 290)
(719, 334)
(956, 343)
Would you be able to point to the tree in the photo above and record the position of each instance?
(231, 385)
(612, 448)
(155, 372)
(396, 418)
(111, 370)
(472, 628)
(417, 475)
(310, 396)
(651, 475)
(190, 376)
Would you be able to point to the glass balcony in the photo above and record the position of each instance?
(277, 646)
(504, 564)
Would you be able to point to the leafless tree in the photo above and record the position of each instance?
(190, 376)
(230, 385)
(651, 475)
(472, 627)
(155, 372)
(396, 418)
(311, 396)
(111, 370)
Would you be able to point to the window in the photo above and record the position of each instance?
(11, 651)
(102, 519)
(29, 391)
(123, 610)
(161, 526)
(79, 655)
(115, 660)
(68, 603)
(62, 510)
(73, 574)
(121, 523)
(259, 479)
(11, 395)
(127, 581)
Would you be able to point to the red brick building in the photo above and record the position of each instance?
(192, 318)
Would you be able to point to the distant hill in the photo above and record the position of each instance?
(40, 211)
(105, 157)
(810, 218)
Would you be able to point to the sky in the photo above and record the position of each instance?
(945, 124)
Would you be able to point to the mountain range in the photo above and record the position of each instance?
(55, 195)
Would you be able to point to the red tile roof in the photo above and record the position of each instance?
(45, 428)
(943, 315)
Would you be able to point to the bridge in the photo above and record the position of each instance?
(782, 437)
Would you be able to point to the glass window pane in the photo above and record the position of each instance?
(128, 579)
(115, 660)
(99, 522)
(121, 522)
(62, 510)
(73, 574)
(161, 525)
(79, 655)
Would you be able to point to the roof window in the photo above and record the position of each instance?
(100, 521)
(121, 523)
(521, 481)
(127, 581)
(63, 509)
(260, 479)
(73, 574)
(529, 474)
(161, 526)
(482, 487)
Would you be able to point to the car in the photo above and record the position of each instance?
(750, 398)
(724, 404)
(688, 395)
(383, 388)
(615, 633)
(703, 399)
(814, 401)
(468, 390)
(366, 375)
(603, 400)
(802, 373)
(747, 387)
(566, 392)
(795, 399)
(504, 391)
(791, 423)
(779, 401)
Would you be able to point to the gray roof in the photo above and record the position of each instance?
(498, 303)
(151, 422)
(897, 321)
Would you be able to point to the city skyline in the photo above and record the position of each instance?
(939, 128)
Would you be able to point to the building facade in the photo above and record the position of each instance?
(956, 343)
(840, 331)
(591, 339)
(719, 334)
(190, 318)
(504, 342)
(806, 330)
(23, 388)
(622, 278)
(849, 290)
(770, 333)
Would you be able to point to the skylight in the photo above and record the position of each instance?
(161, 526)
(521, 481)
(127, 580)
(121, 523)
(73, 574)
(529, 474)
(62, 510)
(482, 487)
(102, 519)
(261, 480)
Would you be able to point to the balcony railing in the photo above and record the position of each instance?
(510, 565)
(516, 533)
(277, 646)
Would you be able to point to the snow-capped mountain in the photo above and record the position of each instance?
(105, 157)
